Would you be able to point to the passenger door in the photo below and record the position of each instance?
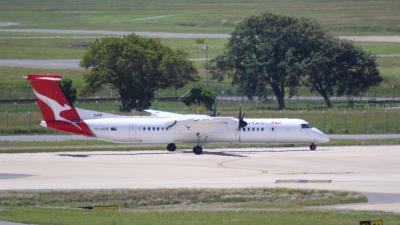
(132, 131)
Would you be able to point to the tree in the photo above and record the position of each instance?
(68, 90)
(267, 51)
(340, 68)
(136, 67)
(200, 96)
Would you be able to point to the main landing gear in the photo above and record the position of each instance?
(313, 147)
(171, 147)
(197, 149)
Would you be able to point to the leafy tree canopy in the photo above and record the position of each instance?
(68, 89)
(340, 68)
(277, 53)
(136, 67)
(267, 51)
(200, 96)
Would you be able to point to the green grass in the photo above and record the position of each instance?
(242, 217)
(144, 198)
(43, 48)
(67, 48)
(185, 206)
(380, 48)
(13, 86)
(340, 16)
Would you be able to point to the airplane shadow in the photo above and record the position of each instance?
(231, 153)
(278, 151)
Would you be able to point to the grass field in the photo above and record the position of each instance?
(13, 86)
(340, 16)
(185, 206)
(57, 216)
(243, 217)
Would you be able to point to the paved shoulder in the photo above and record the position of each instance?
(48, 138)
(11, 223)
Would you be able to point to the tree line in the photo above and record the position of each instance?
(276, 53)
(266, 54)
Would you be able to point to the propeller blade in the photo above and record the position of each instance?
(242, 123)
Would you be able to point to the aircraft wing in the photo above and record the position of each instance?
(162, 113)
(211, 124)
(176, 115)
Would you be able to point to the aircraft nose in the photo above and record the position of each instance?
(320, 136)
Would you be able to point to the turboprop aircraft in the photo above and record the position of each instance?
(164, 127)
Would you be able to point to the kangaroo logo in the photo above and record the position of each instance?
(56, 107)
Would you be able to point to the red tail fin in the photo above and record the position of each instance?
(56, 110)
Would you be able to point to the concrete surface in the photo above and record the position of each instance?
(369, 38)
(11, 223)
(367, 169)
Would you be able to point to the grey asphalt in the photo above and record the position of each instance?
(120, 33)
(53, 63)
(386, 39)
(56, 138)
(41, 63)
(11, 223)
(12, 175)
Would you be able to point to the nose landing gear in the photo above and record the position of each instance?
(313, 147)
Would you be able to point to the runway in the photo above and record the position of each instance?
(367, 169)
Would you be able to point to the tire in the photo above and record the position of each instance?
(313, 147)
(197, 150)
(171, 147)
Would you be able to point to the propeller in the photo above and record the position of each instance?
(241, 124)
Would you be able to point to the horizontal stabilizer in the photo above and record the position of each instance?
(89, 114)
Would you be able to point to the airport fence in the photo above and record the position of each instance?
(24, 118)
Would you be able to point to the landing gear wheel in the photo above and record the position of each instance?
(313, 147)
(197, 150)
(171, 147)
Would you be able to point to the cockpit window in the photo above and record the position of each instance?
(306, 125)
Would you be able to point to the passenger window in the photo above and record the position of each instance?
(306, 125)
(262, 128)
(257, 129)
(113, 128)
(244, 129)
(158, 128)
(248, 129)
(253, 129)
(272, 129)
(154, 128)
(144, 128)
(148, 128)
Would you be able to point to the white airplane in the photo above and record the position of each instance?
(164, 127)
